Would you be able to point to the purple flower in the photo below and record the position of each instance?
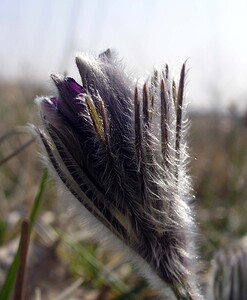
(119, 149)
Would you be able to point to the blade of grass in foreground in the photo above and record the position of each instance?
(11, 276)
(20, 286)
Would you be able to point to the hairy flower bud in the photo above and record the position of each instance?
(119, 149)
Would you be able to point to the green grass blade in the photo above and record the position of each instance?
(11, 276)
(38, 199)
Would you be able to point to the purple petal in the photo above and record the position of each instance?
(69, 104)
(75, 86)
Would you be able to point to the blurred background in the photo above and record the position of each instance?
(42, 37)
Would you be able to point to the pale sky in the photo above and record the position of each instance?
(41, 37)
